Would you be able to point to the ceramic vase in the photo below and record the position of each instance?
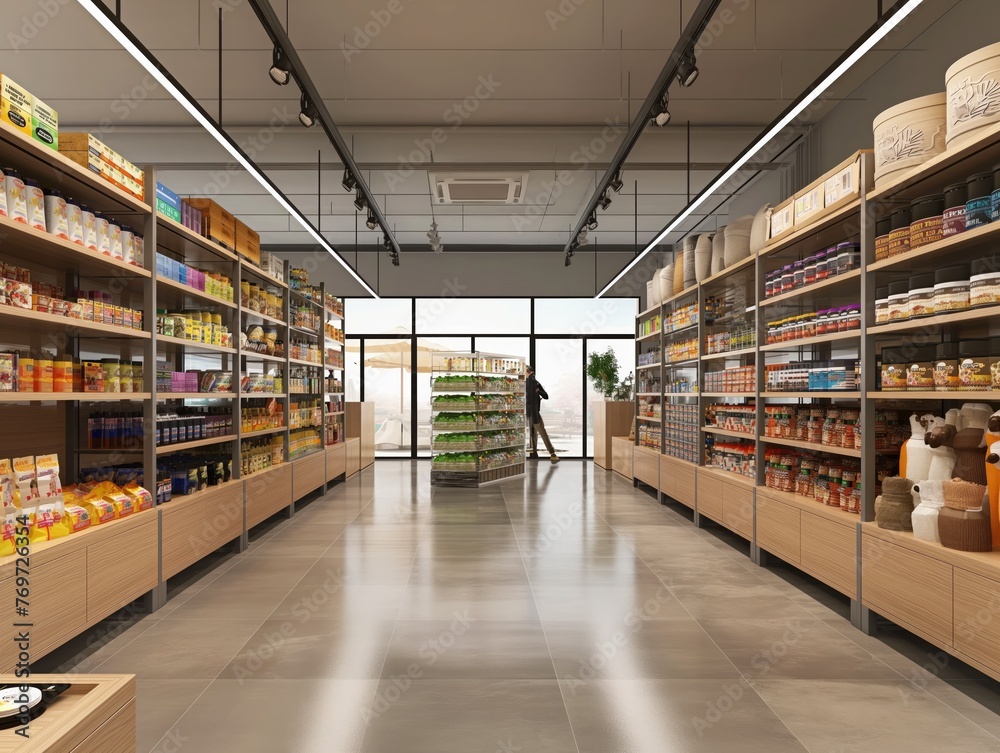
(908, 135)
(690, 251)
(719, 250)
(973, 84)
(666, 282)
(703, 257)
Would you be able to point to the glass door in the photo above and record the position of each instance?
(624, 351)
(559, 369)
(387, 383)
(425, 347)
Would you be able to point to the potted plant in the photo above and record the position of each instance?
(624, 390)
(602, 369)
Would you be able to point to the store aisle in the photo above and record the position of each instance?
(565, 612)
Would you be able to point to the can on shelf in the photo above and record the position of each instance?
(946, 363)
(973, 370)
(979, 204)
(920, 370)
(883, 228)
(899, 235)
(984, 284)
(920, 301)
(926, 220)
(881, 305)
(953, 220)
(951, 288)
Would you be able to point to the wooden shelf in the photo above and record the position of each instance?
(806, 233)
(648, 366)
(251, 356)
(181, 446)
(808, 504)
(940, 320)
(651, 419)
(732, 477)
(986, 235)
(301, 362)
(184, 290)
(647, 394)
(303, 299)
(680, 364)
(729, 271)
(182, 240)
(160, 396)
(263, 317)
(649, 312)
(24, 243)
(729, 394)
(249, 395)
(261, 275)
(45, 324)
(904, 395)
(817, 340)
(262, 432)
(728, 432)
(986, 564)
(834, 395)
(51, 168)
(304, 330)
(650, 336)
(85, 397)
(810, 290)
(983, 150)
(730, 354)
(181, 342)
(812, 446)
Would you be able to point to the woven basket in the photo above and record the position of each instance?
(963, 495)
(965, 530)
(894, 511)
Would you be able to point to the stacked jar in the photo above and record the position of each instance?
(837, 260)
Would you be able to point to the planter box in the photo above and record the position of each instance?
(612, 418)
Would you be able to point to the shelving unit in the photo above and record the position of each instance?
(486, 390)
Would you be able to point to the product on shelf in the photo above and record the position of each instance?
(306, 414)
(648, 408)
(260, 453)
(304, 381)
(680, 426)
(334, 431)
(258, 298)
(469, 462)
(272, 265)
(206, 281)
(681, 318)
(207, 382)
(815, 323)
(303, 350)
(680, 385)
(971, 365)
(262, 384)
(813, 376)
(738, 337)
(485, 402)
(185, 473)
(204, 327)
(470, 383)
(335, 305)
(651, 358)
(729, 455)
(258, 415)
(647, 383)
(739, 418)
(836, 260)
(683, 350)
(91, 153)
(306, 317)
(334, 359)
(649, 435)
(333, 332)
(733, 379)
(479, 442)
(303, 442)
(957, 287)
(263, 340)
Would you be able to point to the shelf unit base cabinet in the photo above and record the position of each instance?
(268, 492)
(813, 539)
(336, 462)
(621, 456)
(360, 424)
(646, 466)
(611, 418)
(728, 503)
(308, 474)
(678, 480)
(353, 452)
(195, 526)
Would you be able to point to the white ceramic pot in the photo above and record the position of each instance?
(719, 250)
(973, 93)
(738, 239)
(653, 286)
(703, 257)
(666, 282)
(690, 249)
(908, 135)
(759, 228)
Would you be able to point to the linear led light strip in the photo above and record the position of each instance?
(146, 61)
(873, 39)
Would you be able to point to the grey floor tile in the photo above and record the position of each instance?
(159, 705)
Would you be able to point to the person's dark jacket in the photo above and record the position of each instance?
(534, 394)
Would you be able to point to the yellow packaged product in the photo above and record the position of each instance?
(8, 533)
(6, 485)
(122, 504)
(101, 511)
(47, 478)
(76, 518)
(141, 498)
(48, 523)
(25, 489)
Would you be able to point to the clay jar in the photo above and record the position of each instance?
(719, 250)
(665, 280)
(690, 250)
(968, 82)
(703, 257)
(908, 134)
(738, 240)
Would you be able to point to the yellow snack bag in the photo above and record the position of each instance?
(141, 499)
(76, 519)
(47, 523)
(101, 511)
(7, 533)
(25, 490)
(122, 504)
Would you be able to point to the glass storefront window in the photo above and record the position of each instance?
(585, 316)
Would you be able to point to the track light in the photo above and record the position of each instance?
(591, 223)
(308, 114)
(280, 71)
(372, 221)
(569, 259)
(604, 201)
(359, 201)
(661, 115)
(386, 242)
(687, 71)
(581, 239)
(616, 183)
(348, 181)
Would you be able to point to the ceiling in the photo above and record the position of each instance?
(512, 85)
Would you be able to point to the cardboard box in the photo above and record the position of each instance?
(247, 243)
(808, 202)
(80, 142)
(782, 220)
(167, 211)
(84, 159)
(167, 196)
(17, 104)
(45, 124)
(216, 223)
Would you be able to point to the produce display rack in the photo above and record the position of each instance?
(163, 541)
(470, 373)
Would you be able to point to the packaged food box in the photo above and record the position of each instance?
(168, 197)
(17, 105)
(18, 294)
(216, 223)
(45, 124)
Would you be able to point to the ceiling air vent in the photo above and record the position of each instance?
(495, 189)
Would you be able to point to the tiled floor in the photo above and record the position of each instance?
(564, 612)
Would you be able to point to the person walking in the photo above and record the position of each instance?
(534, 394)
